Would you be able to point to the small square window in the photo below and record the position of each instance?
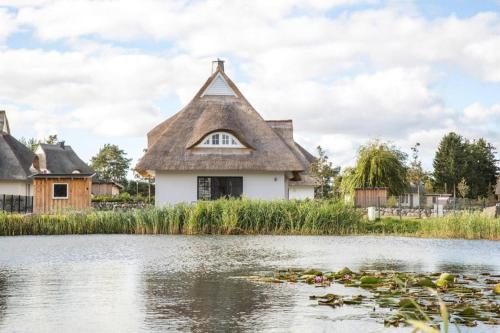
(233, 142)
(225, 139)
(215, 139)
(60, 191)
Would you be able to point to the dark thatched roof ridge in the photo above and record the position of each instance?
(171, 144)
(15, 158)
(62, 160)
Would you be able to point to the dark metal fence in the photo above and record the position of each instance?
(16, 203)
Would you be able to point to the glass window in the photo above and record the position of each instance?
(60, 191)
(233, 142)
(207, 141)
(213, 188)
(225, 139)
(204, 188)
(215, 139)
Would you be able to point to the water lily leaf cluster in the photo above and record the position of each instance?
(405, 296)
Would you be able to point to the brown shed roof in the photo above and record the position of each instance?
(171, 143)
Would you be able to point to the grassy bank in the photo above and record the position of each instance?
(249, 217)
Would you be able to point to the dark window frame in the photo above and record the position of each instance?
(59, 196)
(215, 186)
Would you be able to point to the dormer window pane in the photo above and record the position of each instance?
(220, 139)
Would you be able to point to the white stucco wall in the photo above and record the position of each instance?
(301, 192)
(176, 187)
(15, 187)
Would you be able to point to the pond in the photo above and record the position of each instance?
(128, 283)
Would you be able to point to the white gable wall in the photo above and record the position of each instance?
(15, 187)
(219, 87)
(176, 187)
(301, 192)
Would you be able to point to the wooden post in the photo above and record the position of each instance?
(399, 204)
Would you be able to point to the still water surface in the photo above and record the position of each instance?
(125, 283)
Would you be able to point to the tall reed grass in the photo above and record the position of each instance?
(318, 217)
(206, 217)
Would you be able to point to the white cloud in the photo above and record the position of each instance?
(386, 103)
(7, 23)
(344, 79)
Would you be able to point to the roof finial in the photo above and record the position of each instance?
(219, 65)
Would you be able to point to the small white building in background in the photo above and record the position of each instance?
(413, 197)
(15, 163)
(219, 146)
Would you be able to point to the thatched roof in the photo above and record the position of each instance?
(284, 128)
(59, 159)
(15, 158)
(218, 106)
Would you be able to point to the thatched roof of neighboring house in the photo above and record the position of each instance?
(98, 181)
(59, 159)
(218, 106)
(15, 158)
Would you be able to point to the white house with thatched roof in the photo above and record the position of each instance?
(219, 146)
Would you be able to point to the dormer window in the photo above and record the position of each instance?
(220, 140)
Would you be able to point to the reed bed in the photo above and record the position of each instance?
(318, 217)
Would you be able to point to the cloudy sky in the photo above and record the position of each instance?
(345, 71)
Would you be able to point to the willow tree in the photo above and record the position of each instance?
(378, 165)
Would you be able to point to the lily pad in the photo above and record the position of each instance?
(447, 276)
(370, 280)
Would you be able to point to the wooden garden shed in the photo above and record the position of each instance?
(63, 181)
(373, 196)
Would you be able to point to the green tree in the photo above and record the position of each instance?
(31, 143)
(463, 188)
(481, 169)
(51, 139)
(450, 162)
(416, 173)
(110, 164)
(324, 172)
(428, 186)
(378, 165)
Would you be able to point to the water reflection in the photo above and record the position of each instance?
(3, 294)
(204, 302)
(124, 283)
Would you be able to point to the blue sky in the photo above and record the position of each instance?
(346, 71)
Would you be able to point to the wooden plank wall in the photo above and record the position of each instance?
(366, 197)
(78, 195)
